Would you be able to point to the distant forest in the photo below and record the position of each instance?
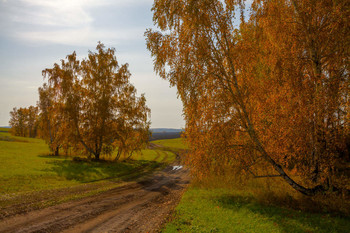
(163, 133)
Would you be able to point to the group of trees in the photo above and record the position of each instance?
(91, 106)
(271, 94)
(24, 121)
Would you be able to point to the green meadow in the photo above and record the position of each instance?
(27, 166)
(176, 144)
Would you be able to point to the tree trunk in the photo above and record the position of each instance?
(254, 137)
(278, 167)
(57, 150)
(130, 154)
(118, 155)
(97, 156)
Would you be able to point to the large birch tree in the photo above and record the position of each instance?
(271, 92)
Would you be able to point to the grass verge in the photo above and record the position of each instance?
(223, 210)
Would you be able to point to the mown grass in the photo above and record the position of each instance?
(26, 166)
(224, 210)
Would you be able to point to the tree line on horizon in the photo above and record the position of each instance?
(268, 97)
(89, 106)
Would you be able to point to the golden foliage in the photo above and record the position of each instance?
(91, 106)
(24, 121)
(271, 93)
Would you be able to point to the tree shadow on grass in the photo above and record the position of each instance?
(89, 171)
(52, 156)
(287, 220)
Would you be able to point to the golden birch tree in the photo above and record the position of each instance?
(98, 102)
(270, 93)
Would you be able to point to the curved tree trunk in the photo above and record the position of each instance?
(276, 166)
(118, 155)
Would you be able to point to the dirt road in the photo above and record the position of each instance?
(137, 207)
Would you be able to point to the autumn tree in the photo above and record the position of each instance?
(53, 122)
(308, 63)
(17, 122)
(132, 133)
(24, 122)
(98, 103)
(271, 93)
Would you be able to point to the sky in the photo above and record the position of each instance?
(35, 34)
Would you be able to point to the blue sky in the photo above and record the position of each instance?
(34, 34)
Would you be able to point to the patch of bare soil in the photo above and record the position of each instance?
(142, 206)
(153, 146)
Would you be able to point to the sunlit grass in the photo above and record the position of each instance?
(176, 143)
(27, 166)
(230, 203)
(224, 210)
(155, 155)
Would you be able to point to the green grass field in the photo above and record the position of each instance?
(177, 143)
(26, 166)
(223, 210)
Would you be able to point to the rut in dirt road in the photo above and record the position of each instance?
(137, 207)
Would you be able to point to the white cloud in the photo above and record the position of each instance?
(67, 22)
(86, 36)
(67, 13)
